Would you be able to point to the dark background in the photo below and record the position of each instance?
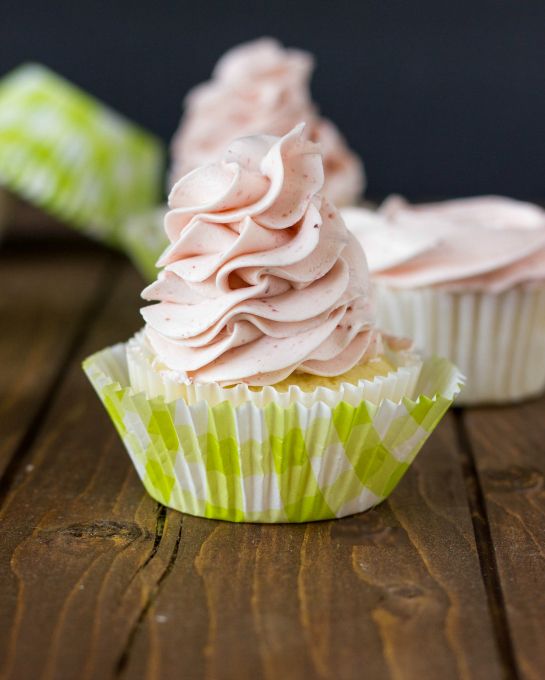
(440, 98)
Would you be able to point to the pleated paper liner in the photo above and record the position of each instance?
(74, 158)
(496, 339)
(270, 463)
(144, 377)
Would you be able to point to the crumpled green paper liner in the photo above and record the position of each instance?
(270, 464)
(74, 158)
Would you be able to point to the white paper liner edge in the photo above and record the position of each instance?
(496, 339)
(394, 386)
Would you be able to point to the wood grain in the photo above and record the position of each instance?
(99, 581)
(43, 303)
(508, 446)
(347, 599)
(81, 546)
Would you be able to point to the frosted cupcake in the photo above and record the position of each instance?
(465, 279)
(257, 87)
(260, 388)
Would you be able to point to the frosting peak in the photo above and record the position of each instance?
(261, 277)
(262, 87)
(485, 243)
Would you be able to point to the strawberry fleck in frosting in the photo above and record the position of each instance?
(487, 243)
(261, 277)
(261, 87)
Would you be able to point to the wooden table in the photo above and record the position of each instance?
(445, 580)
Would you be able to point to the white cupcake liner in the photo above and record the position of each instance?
(496, 339)
(270, 463)
(145, 378)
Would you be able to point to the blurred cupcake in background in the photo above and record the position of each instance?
(261, 87)
(465, 279)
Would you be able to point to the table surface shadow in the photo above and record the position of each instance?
(445, 580)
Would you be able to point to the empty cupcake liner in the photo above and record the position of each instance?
(496, 339)
(250, 463)
(66, 153)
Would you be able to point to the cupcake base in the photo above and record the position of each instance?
(496, 339)
(394, 377)
(270, 463)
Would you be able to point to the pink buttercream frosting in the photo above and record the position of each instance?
(487, 243)
(261, 87)
(261, 277)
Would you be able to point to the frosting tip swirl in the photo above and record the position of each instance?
(261, 277)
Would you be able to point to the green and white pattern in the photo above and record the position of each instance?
(270, 464)
(144, 240)
(71, 156)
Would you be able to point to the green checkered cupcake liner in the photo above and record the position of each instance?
(269, 463)
(68, 154)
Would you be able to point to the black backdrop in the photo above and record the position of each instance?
(441, 98)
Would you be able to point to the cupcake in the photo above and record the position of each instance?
(258, 87)
(465, 279)
(260, 388)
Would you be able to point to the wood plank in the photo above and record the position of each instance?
(43, 302)
(100, 582)
(508, 448)
(393, 593)
(82, 545)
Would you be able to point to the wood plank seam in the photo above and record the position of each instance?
(88, 315)
(221, 600)
(509, 445)
(159, 528)
(154, 593)
(485, 550)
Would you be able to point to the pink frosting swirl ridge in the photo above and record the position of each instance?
(262, 87)
(261, 277)
(488, 243)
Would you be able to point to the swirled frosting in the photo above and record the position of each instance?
(261, 277)
(261, 87)
(487, 243)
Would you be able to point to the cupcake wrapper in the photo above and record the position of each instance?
(394, 386)
(72, 157)
(270, 464)
(497, 339)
